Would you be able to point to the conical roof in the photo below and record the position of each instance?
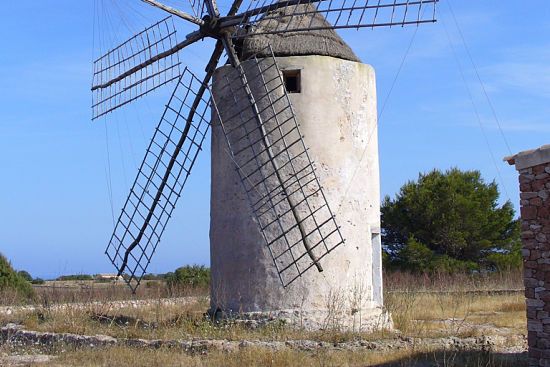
(324, 42)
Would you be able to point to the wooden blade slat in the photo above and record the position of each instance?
(273, 17)
(160, 180)
(135, 68)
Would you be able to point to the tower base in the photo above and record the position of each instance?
(311, 320)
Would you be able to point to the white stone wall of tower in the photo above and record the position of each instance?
(336, 109)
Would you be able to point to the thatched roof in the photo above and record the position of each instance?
(317, 42)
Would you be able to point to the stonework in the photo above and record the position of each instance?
(336, 109)
(534, 181)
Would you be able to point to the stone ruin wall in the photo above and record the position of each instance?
(534, 180)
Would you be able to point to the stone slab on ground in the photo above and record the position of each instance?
(24, 360)
(14, 336)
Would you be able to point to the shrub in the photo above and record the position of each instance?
(507, 260)
(150, 276)
(10, 280)
(75, 277)
(194, 276)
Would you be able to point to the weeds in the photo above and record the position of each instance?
(420, 307)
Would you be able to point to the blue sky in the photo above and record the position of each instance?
(56, 165)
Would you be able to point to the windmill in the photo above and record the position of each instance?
(249, 105)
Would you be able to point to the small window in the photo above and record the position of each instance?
(292, 81)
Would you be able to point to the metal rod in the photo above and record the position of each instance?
(229, 21)
(237, 65)
(191, 38)
(176, 12)
(215, 56)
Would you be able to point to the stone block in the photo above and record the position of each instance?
(525, 187)
(536, 303)
(541, 168)
(526, 177)
(534, 254)
(527, 235)
(530, 244)
(528, 212)
(543, 343)
(535, 202)
(527, 170)
(528, 195)
(534, 325)
(532, 337)
(537, 185)
(543, 194)
(545, 296)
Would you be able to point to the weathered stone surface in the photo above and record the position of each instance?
(528, 212)
(338, 132)
(480, 343)
(534, 168)
(25, 360)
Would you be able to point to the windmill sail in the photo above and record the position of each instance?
(160, 180)
(278, 176)
(135, 68)
(275, 16)
(260, 127)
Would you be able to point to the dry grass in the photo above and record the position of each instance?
(130, 357)
(55, 292)
(421, 307)
(427, 314)
(456, 306)
(250, 357)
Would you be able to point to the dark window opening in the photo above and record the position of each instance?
(292, 81)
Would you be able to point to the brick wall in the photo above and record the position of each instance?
(534, 181)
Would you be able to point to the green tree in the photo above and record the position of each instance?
(10, 280)
(25, 275)
(456, 217)
(189, 276)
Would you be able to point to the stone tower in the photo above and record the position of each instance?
(334, 99)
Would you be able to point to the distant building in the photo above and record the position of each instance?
(113, 277)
